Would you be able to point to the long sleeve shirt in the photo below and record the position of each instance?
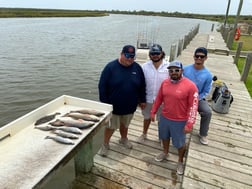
(123, 87)
(153, 78)
(202, 78)
(180, 101)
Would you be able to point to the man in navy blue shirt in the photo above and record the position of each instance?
(122, 84)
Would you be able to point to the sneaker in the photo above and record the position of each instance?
(142, 138)
(203, 140)
(104, 150)
(126, 143)
(180, 168)
(160, 157)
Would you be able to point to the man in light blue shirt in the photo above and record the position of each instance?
(202, 77)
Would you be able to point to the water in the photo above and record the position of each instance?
(44, 58)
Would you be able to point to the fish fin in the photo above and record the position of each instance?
(66, 115)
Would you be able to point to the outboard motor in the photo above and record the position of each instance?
(222, 99)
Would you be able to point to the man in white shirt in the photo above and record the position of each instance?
(155, 71)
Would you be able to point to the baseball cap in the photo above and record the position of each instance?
(201, 50)
(128, 49)
(175, 63)
(155, 48)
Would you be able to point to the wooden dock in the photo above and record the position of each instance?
(225, 163)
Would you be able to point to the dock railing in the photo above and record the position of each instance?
(176, 48)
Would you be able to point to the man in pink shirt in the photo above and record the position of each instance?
(179, 97)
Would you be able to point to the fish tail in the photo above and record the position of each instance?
(65, 115)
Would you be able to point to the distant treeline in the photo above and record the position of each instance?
(25, 12)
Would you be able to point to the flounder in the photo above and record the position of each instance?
(46, 119)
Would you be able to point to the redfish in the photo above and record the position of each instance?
(90, 111)
(87, 117)
(81, 124)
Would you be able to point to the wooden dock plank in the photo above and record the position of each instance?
(225, 163)
(211, 178)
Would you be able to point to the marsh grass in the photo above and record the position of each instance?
(29, 13)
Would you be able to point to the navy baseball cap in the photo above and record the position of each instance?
(201, 50)
(155, 48)
(128, 49)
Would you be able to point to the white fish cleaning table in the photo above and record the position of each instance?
(28, 160)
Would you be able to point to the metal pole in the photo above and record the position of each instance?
(227, 13)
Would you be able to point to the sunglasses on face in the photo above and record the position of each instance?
(200, 56)
(174, 70)
(155, 53)
(129, 55)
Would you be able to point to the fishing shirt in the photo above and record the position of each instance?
(153, 78)
(202, 78)
(180, 101)
(123, 87)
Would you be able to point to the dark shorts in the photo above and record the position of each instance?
(172, 129)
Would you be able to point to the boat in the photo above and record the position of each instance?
(146, 37)
(143, 46)
(28, 160)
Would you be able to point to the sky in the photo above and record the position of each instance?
(183, 6)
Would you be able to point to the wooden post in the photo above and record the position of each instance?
(225, 34)
(180, 46)
(172, 52)
(238, 52)
(230, 38)
(185, 41)
(246, 67)
(212, 27)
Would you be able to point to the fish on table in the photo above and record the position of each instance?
(81, 124)
(74, 130)
(60, 139)
(90, 111)
(44, 127)
(65, 134)
(46, 118)
(87, 117)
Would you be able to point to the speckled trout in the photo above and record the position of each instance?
(74, 130)
(60, 139)
(65, 134)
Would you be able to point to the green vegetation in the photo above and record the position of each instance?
(25, 12)
(247, 41)
(248, 82)
(13, 13)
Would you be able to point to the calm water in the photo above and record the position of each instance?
(43, 58)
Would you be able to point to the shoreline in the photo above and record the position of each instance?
(37, 12)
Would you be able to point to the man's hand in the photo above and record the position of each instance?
(152, 116)
(187, 129)
(142, 105)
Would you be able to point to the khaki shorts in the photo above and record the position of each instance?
(117, 120)
(146, 111)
